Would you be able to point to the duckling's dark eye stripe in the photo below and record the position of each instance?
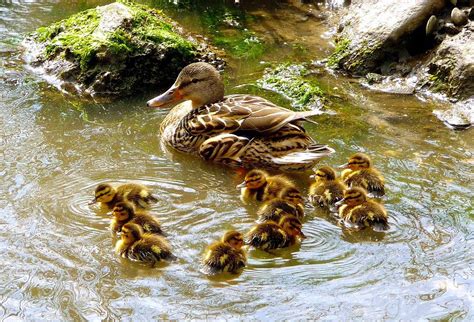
(101, 194)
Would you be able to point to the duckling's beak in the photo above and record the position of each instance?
(168, 98)
(313, 176)
(242, 185)
(93, 201)
(343, 166)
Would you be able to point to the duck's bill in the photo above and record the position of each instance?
(170, 97)
(242, 185)
(343, 166)
(93, 201)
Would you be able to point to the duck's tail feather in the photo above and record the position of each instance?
(304, 159)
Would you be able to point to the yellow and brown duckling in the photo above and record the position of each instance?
(226, 255)
(270, 235)
(136, 245)
(260, 186)
(274, 209)
(357, 210)
(327, 188)
(125, 212)
(138, 194)
(361, 173)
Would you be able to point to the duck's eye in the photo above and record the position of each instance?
(194, 80)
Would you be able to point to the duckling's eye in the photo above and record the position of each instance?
(194, 80)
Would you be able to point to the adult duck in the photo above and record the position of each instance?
(239, 130)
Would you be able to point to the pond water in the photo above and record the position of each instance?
(57, 254)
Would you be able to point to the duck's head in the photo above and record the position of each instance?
(354, 196)
(234, 239)
(293, 196)
(292, 226)
(254, 179)
(131, 233)
(324, 174)
(200, 83)
(123, 211)
(358, 161)
(104, 193)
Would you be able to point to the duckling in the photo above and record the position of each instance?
(362, 174)
(226, 255)
(270, 235)
(274, 209)
(358, 210)
(294, 196)
(136, 245)
(124, 212)
(327, 190)
(136, 193)
(260, 186)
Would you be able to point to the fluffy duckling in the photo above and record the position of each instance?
(358, 210)
(136, 245)
(294, 196)
(362, 174)
(327, 190)
(136, 193)
(270, 235)
(124, 212)
(260, 186)
(226, 255)
(274, 209)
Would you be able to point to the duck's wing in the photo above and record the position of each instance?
(243, 113)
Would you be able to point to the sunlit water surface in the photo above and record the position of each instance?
(57, 254)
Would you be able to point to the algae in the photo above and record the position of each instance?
(340, 52)
(293, 82)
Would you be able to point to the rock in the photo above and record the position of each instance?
(373, 78)
(374, 28)
(460, 116)
(450, 29)
(454, 2)
(113, 50)
(471, 14)
(292, 82)
(451, 68)
(458, 17)
(431, 25)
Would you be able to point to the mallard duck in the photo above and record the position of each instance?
(327, 189)
(226, 255)
(124, 212)
(270, 235)
(360, 173)
(274, 209)
(357, 210)
(138, 194)
(260, 186)
(238, 130)
(136, 245)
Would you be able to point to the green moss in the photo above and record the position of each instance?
(77, 36)
(340, 52)
(292, 82)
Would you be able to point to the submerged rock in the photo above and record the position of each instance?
(292, 82)
(373, 29)
(460, 116)
(113, 50)
(451, 69)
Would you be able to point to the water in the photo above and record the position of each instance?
(57, 255)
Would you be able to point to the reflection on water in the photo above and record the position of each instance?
(57, 255)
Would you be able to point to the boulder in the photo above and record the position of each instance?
(373, 29)
(451, 68)
(113, 50)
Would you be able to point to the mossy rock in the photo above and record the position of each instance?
(114, 50)
(294, 82)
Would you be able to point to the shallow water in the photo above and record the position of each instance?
(57, 255)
